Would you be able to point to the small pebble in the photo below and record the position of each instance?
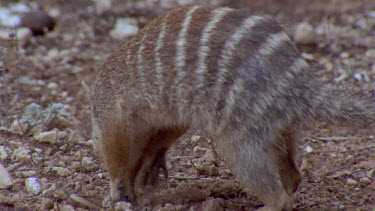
(351, 182)
(21, 154)
(358, 76)
(195, 138)
(365, 180)
(5, 179)
(3, 152)
(309, 149)
(102, 5)
(63, 172)
(122, 206)
(29, 173)
(50, 191)
(199, 151)
(23, 35)
(124, 28)
(63, 207)
(370, 174)
(344, 55)
(304, 34)
(50, 137)
(52, 86)
(88, 164)
(33, 186)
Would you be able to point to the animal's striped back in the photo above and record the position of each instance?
(197, 60)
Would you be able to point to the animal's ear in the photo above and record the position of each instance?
(87, 90)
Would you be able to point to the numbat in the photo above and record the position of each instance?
(234, 75)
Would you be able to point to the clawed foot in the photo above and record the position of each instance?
(151, 172)
(118, 193)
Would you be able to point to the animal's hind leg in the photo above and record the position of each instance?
(288, 171)
(155, 154)
(289, 175)
(152, 168)
(254, 160)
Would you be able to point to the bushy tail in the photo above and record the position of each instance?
(347, 107)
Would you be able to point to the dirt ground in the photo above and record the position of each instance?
(49, 141)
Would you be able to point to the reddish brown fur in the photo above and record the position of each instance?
(251, 94)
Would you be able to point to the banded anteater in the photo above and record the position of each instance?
(236, 76)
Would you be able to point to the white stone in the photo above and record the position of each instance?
(304, 34)
(7, 18)
(29, 173)
(19, 7)
(52, 86)
(195, 138)
(25, 80)
(102, 5)
(23, 35)
(64, 94)
(358, 76)
(33, 185)
(124, 28)
(20, 154)
(54, 12)
(344, 55)
(199, 151)
(122, 206)
(52, 55)
(63, 207)
(5, 179)
(88, 163)
(50, 136)
(308, 149)
(3, 152)
(16, 143)
(307, 56)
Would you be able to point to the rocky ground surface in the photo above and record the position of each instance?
(46, 155)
